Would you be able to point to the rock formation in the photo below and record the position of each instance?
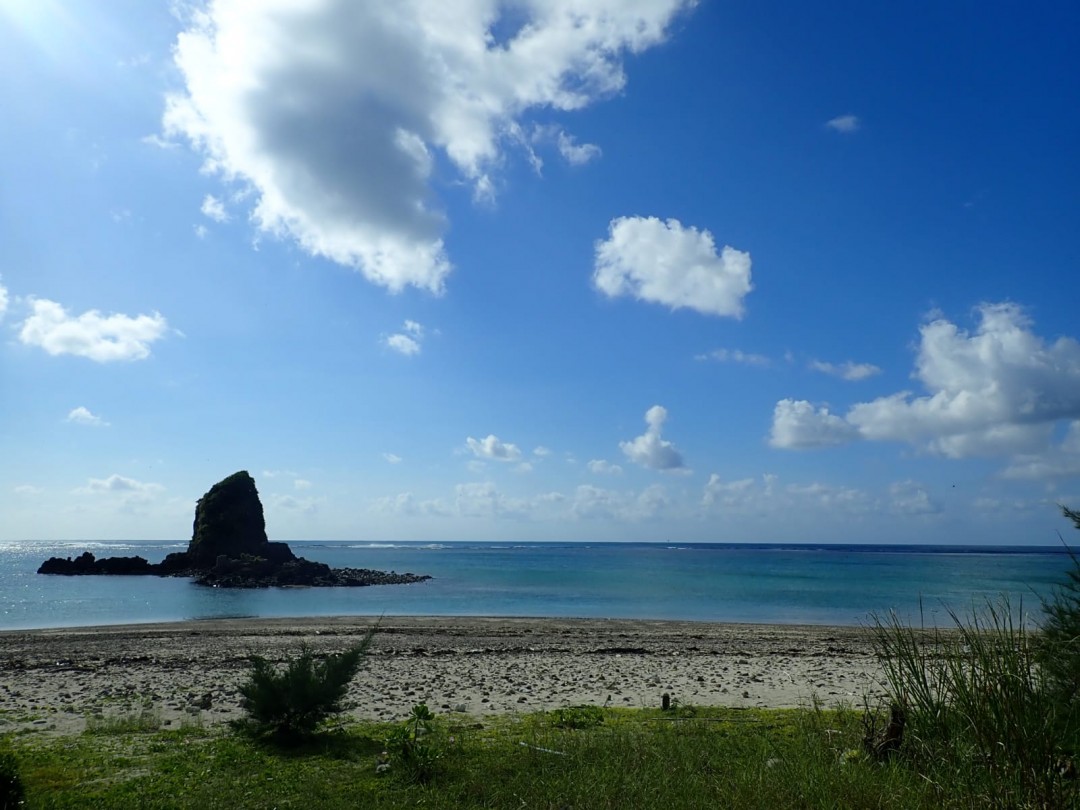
(229, 549)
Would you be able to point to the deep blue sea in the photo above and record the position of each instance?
(798, 584)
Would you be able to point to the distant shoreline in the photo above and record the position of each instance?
(53, 679)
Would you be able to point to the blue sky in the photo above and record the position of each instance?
(529, 270)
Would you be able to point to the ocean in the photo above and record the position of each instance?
(774, 584)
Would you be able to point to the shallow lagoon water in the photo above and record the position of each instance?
(775, 584)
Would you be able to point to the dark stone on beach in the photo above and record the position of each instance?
(229, 549)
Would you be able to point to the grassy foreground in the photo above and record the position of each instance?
(568, 759)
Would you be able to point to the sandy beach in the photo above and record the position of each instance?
(54, 680)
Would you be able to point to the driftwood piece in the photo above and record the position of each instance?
(880, 747)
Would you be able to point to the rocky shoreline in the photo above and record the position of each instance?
(185, 672)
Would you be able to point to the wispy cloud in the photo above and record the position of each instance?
(844, 123)
(735, 356)
(845, 371)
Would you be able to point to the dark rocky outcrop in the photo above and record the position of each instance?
(229, 549)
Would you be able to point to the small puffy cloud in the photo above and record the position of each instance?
(214, 208)
(844, 123)
(201, 231)
(846, 371)
(392, 459)
(408, 340)
(339, 116)
(3, 301)
(83, 416)
(999, 390)
(402, 344)
(574, 153)
(602, 467)
(798, 424)
(735, 356)
(103, 338)
(666, 263)
(493, 449)
(541, 452)
(301, 483)
(649, 449)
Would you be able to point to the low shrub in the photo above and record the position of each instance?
(414, 745)
(289, 705)
(577, 717)
(12, 794)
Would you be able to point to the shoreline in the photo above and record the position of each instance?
(54, 679)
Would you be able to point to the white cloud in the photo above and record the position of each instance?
(541, 452)
(798, 424)
(201, 231)
(665, 263)
(301, 483)
(1062, 461)
(83, 416)
(832, 498)
(335, 113)
(27, 490)
(3, 301)
(403, 344)
(494, 449)
(290, 503)
(574, 153)
(117, 483)
(485, 500)
(846, 371)
(996, 384)
(406, 503)
(911, 498)
(648, 449)
(727, 493)
(392, 459)
(597, 503)
(999, 390)
(844, 123)
(408, 341)
(93, 335)
(214, 208)
(125, 493)
(735, 356)
(602, 467)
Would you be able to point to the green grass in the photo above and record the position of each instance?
(689, 758)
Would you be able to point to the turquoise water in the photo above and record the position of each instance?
(838, 585)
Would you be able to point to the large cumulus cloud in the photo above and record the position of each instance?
(340, 116)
